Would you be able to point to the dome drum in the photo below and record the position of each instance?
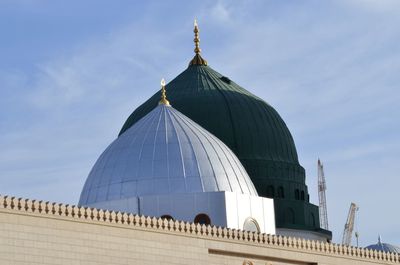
(299, 216)
(186, 206)
(278, 189)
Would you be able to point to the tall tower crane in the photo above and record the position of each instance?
(323, 211)
(349, 226)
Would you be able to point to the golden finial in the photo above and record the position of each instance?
(197, 60)
(163, 100)
(197, 49)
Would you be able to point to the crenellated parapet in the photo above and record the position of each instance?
(45, 208)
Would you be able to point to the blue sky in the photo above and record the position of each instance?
(72, 71)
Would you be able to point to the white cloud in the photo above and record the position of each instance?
(220, 12)
(93, 71)
(374, 5)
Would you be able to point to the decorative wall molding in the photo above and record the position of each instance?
(105, 216)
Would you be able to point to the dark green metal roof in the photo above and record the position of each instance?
(251, 128)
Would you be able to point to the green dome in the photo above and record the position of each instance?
(252, 129)
(246, 123)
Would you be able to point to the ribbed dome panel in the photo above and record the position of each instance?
(384, 247)
(164, 152)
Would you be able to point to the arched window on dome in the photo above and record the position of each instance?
(281, 193)
(167, 216)
(250, 224)
(289, 216)
(302, 195)
(297, 194)
(202, 219)
(312, 220)
(270, 191)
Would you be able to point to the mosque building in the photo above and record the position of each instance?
(216, 137)
(203, 172)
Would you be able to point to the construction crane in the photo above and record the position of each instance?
(323, 211)
(349, 226)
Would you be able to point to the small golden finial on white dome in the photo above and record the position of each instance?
(163, 100)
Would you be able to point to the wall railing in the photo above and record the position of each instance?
(98, 215)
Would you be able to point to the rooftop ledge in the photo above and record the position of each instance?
(72, 212)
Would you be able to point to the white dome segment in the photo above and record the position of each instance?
(164, 153)
(167, 165)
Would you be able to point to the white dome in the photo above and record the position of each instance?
(164, 153)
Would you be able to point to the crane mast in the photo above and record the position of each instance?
(323, 211)
(349, 226)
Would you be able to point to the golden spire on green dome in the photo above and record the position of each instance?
(197, 59)
(163, 100)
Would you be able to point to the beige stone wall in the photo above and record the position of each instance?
(33, 232)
